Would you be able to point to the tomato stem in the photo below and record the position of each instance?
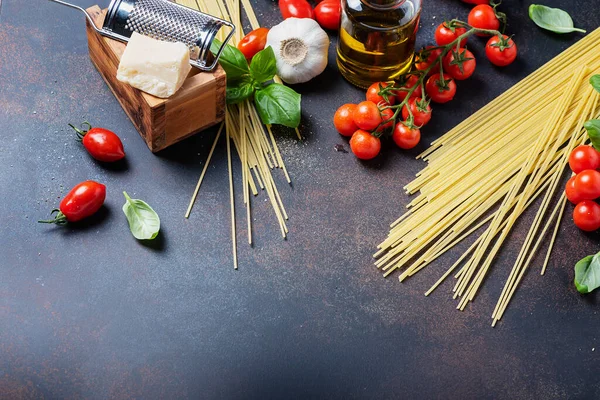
(438, 62)
(59, 218)
(81, 132)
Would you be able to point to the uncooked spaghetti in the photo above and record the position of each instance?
(253, 141)
(489, 169)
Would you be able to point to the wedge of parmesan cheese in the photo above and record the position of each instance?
(154, 66)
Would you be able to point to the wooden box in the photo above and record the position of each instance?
(198, 104)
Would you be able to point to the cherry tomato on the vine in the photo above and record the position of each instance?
(587, 184)
(406, 137)
(571, 192)
(409, 84)
(296, 9)
(586, 216)
(440, 91)
(343, 120)
(387, 119)
(421, 111)
(501, 51)
(460, 64)
(253, 42)
(84, 200)
(374, 96)
(366, 115)
(445, 34)
(426, 57)
(484, 16)
(102, 144)
(584, 157)
(364, 145)
(328, 14)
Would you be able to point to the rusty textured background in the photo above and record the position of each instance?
(88, 312)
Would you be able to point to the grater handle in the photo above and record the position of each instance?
(88, 16)
(91, 21)
(203, 52)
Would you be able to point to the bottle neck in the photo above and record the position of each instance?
(383, 4)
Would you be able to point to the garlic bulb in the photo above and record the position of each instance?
(300, 47)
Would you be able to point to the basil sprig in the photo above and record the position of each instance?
(587, 274)
(144, 223)
(552, 19)
(275, 103)
(595, 82)
(593, 126)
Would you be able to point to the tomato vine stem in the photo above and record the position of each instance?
(422, 75)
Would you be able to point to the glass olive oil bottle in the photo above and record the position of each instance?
(377, 39)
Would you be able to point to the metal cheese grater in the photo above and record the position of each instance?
(163, 20)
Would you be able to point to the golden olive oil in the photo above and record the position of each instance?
(377, 39)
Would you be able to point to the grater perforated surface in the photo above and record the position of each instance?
(166, 21)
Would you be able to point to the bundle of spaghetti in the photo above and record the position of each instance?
(483, 174)
(254, 142)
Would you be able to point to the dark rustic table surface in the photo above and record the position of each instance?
(88, 312)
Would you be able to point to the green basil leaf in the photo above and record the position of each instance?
(239, 92)
(593, 129)
(232, 60)
(263, 66)
(143, 221)
(552, 19)
(595, 82)
(587, 274)
(278, 104)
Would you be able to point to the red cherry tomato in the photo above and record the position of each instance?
(571, 192)
(387, 120)
(409, 84)
(296, 9)
(405, 137)
(253, 42)
(426, 57)
(584, 157)
(366, 116)
(374, 96)
(445, 35)
(343, 120)
(364, 145)
(483, 16)
(102, 144)
(328, 14)
(501, 51)
(586, 216)
(438, 91)
(460, 64)
(421, 111)
(84, 200)
(587, 184)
